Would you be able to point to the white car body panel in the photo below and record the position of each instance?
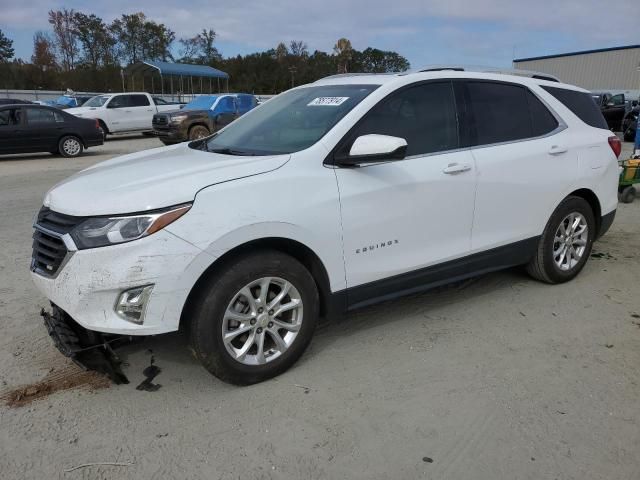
(506, 194)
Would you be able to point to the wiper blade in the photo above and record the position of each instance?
(229, 151)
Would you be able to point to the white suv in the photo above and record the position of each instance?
(332, 196)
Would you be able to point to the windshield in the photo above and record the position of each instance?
(200, 103)
(290, 122)
(98, 101)
(64, 100)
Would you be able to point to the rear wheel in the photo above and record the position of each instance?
(627, 195)
(197, 132)
(254, 318)
(565, 244)
(70, 146)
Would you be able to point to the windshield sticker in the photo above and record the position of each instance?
(327, 101)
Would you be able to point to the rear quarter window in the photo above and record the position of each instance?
(581, 104)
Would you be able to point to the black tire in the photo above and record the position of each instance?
(543, 266)
(209, 306)
(198, 131)
(70, 146)
(627, 195)
(104, 128)
(629, 136)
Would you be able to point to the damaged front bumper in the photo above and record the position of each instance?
(88, 349)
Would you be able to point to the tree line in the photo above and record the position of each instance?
(83, 52)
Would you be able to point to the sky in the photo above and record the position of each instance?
(472, 32)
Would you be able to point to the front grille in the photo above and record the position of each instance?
(48, 248)
(48, 252)
(160, 120)
(57, 222)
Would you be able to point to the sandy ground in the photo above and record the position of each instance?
(497, 378)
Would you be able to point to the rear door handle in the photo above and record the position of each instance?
(557, 150)
(454, 168)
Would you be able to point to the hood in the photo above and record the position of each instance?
(151, 179)
(84, 111)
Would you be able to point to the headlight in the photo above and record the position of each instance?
(103, 231)
(179, 118)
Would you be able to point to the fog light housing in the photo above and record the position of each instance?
(132, 304)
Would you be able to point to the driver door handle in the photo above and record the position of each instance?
(454, 168)
(557, 150)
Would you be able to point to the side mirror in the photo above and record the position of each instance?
(375, 148)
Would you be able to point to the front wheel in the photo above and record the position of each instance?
(197, 132)
(70, 146)
(253, 319)
(565, 244)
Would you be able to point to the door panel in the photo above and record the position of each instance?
(401, 216)
(12, 130)
(518, 185)
(405, 215)
(119, 119)
(42, 129)
(524, 160)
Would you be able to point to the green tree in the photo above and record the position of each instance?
(6, 48)
(200, 48)
(96, 40)
(372, 60)
(156, 41)
(64, 36)
(129, 31)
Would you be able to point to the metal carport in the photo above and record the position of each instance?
(184, 73)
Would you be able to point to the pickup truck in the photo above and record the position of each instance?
(123, 112)
(201, 117)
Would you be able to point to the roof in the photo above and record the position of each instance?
(571, 54)
(176, 69)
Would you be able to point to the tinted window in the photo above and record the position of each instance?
(617, 100)
(138, 101)
(10, 116)
(424, 115)
(499, 112)
(38, 116)
(227, 104)
(542, 120)
(160, 101)
(120, 101)
(581, 104)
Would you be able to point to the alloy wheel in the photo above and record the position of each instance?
(262, 320)
(570, 241)
(71, 147)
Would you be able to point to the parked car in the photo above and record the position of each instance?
(68, 101)
(613, 108)
(201, 117)
(630, 122)
(36, 128)
(123, 112)
(13, 101)
(329, 197)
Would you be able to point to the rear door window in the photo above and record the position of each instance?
(424, 115)
(10, 116)
(41, 116)
(581, 104)
(138, 101)
(499, 112)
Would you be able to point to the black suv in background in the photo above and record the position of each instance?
(613, 107)
(201, 117)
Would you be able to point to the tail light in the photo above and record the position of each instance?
(616, 145)
(98, 124)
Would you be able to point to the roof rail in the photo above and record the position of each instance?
(503, 71)
(355, 74)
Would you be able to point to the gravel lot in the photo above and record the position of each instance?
(500, 377)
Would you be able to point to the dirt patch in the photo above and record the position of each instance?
(66, 379)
